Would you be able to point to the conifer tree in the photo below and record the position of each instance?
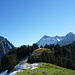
(41, 46)
(46, 46)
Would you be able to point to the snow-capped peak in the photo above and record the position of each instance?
(45, 36)
(68, 39)
(70, 34)
(49, 40)
(64, 40)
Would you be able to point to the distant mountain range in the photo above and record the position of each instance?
(5, 46)
(61, 40)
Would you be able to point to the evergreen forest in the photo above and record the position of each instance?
(61, 56)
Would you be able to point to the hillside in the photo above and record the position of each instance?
(47, 69)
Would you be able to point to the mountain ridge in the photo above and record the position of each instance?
(61, 40)
(5, 46)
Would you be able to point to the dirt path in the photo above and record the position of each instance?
(24, 61)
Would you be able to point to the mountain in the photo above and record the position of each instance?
(49, 40)
(61, 40)
(68, 39)
(5, 46)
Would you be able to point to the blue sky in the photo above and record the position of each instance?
(26, 21)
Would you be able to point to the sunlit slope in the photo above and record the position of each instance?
(47, 69)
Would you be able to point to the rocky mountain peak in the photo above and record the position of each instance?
(5, 46)
(61, 40)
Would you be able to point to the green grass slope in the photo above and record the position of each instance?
(47, 69)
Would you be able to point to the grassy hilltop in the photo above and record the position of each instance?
(47, 69)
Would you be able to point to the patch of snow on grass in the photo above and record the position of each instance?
(4, 72)
(15, 72)
(34, 66)
(26, 66)
(19, 67)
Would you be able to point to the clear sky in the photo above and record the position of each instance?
(26, 21)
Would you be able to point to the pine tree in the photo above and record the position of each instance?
(46, 46)
(41, 46)
(35, 46)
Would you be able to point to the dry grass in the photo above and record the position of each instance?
(24, 61)
(39, 51)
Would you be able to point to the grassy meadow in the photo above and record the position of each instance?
(47, 69)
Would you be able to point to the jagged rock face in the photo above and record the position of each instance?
(61, 40)
(5, 46)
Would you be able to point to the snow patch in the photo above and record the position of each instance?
(9, 46)
(4, 72)
(18, 68)
(15, 72)
(58, 39)
(26, 66)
